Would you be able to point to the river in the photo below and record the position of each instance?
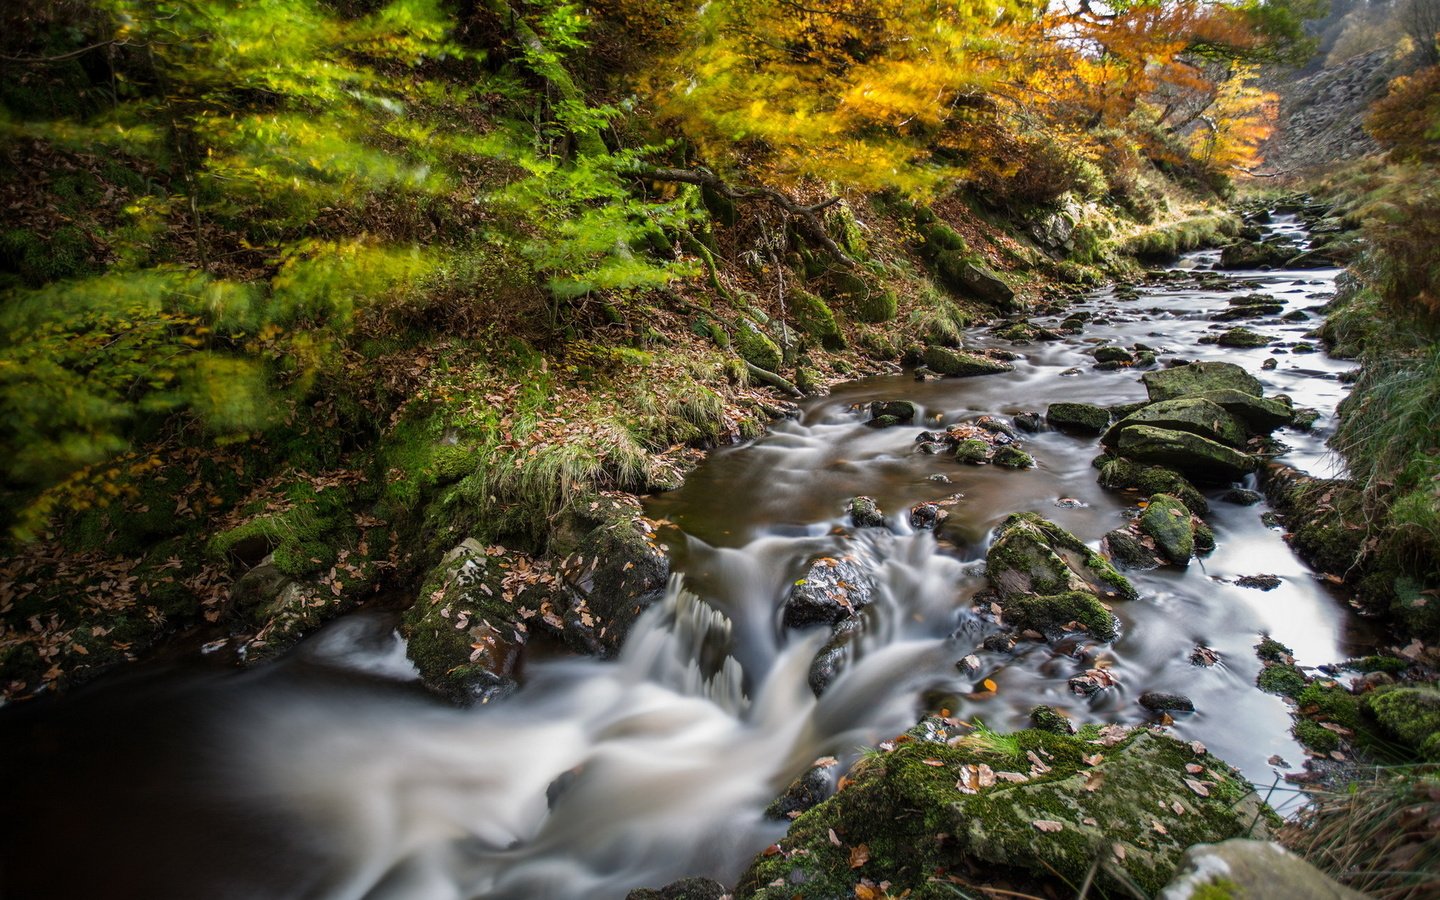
(330, 773)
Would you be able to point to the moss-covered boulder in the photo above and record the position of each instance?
(1168, 522)
(1009, 456)
(1190, 414)
(616, 570)
(1257, 254)
(461, 632)
(685, 889)
(960, 363)
(1055, 614)
(865, 296)
(1198, 377)
(973, 451)
(1034, 808)
(1240, 868)
(1260, 415)
(1195, 456)
(1410, 714)
(832, 589)
(1128, 550)
(1118, 473)
(755, 347)
(1032, 555)
(814, 317)
(898, 412)
(866, 513)
(1086, 417)
(1242, 337)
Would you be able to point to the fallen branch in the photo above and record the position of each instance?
(775, 381)
(806, 216)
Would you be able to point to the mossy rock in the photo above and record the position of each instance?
(1031, 555)
(1410, 714)
(1243, 337)
(868, 299)
(1167, 521)
(973, 451)
(1261, 415)
(1053, 614)
(756, 348)
(461, 632)
(1086, 417)
(1112, 354)
(1190, 414)
(1118, 473)
(1008, 456)
(960, 363)
(1196, 378)
(1281, 678)
(814, 317)
(1127, 551)
(1044, 832)
(1321, 529)
(1195, 456)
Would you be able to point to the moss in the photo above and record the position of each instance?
(305, 538)
(1052, 613)
(1167, 520)
(1033, 555)
(39, 260)
(1079, 416)
(1330, 703)
(959, 363)
(1281, 678)
(1217, 888)
(814, 317)
(1119, 473)
(756, 348)
(1271, 650)
(1316, 737)
(1389, 664)
(972, 450)
(1410, 714)
(1045, 718)
(1011, 457)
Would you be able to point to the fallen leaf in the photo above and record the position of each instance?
(931, 761)
(1119, 850)
(1198, 748)
(1179, 810)
(859, 855)
(990, 685)
(834, 839)
(1047, 825)
(1159, 829)
(1194, 769)
(772, 850)
(1197, 787)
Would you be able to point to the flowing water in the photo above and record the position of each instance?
(331, 774)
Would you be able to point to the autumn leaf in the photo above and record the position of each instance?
(990, 685)
(859, 855)
(1197, 787)
(1047, 825)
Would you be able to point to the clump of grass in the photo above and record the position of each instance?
(1380, 837)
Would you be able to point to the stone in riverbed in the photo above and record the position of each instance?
(1242, 497)
(806, 791)
(1032, 555)
(1117, 473)
(1259, 582)
(1191, 454)
(884, 413)
(1261, 415)
(1126, 550)
(972, 450)
(685, 889)
(1192, 414)
(1085, 417)
(833, 589)
(1196, 378)
(865, 513)
(1242, 868)
(1055, 614)
(1111, 354)
(1168, 523)
(1028, 421)
(960, 363)
(1243, 337)
(1161, 701)
(1012, 457)
(927, 516)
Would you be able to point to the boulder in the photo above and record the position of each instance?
(865, 513)
(1240, 869)
(1030, 805)
(1255, 254)
(972, 450)
(1011, 457)
(1085, 417)
(892, 412)
(1261, 415)
(960, 363)
(833, 588)
(1108, 354)
(808, 790)
(1195, 378)
(1168, 523)
(1195, 415)
(461, 633)
(1031, 555)
(616, 571)
(1127, 550)
(927, 515)
(1242, 337)
(1161, 701)
(1118, 473)
(831, 659)
(1410, 714)
(981, 281)
(685, 889)
(1057, 614)
(1193, 455)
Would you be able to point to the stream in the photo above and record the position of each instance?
(331, 774)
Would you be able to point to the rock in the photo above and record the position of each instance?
(1012, 457)
(1033, 556)
(1004, 642)
(1118, 473)
(1243, 337)
(1168, 522)
(684, 889)
(896, 411)
(257, 590)
(997, 427)
(927, 516)
(1253, 311)
(1193, 455)
(1259, 582)
(972, 450)
(756, 347)
(1304, 418)
(1270, 364)
(1191, 414)
(1261, 415)
(959, 363)
(1240, 868)
(865, 513)
(806, 791)
(1242, 497)
(617, 570)
(1125, 550)
(834, 588)
(1091, 683)
(1085, 417)
(982, 281)
(1160, 701)
(1410, 714)
(1057, 614)
(461, 632)
(831, 659)
(1254, 255)
(1112, 354)
(1028, 421)
(1195, 378)
(1047, 718)
(1047, 819)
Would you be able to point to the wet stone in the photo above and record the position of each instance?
(1086, 417)
(865, 513)
(884, 413)
(1259, 582)
(1028, 421)
(833, 588)
(1242, 497)
(1160, 701)
(927, 516)
(806, 791)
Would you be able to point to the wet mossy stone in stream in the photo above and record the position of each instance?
(973, 451)
(1261, 415)
(1196, 378)
(960, 363)
(865, 513)
(1242, 869)
(1046, 718)
(1118, 473)
(1167, 522)
(1194, 456)
(831, 659)
(1108, 354)
(806, 792)
(1032, 555)
(461, 631)
(615, 571)
(1127, 551)
(1243, 337)
(1009, 456)
(1086, 417)
(1056, 614)
(755, 347)
(1191, 414)
(1025, 807)
(696, 888)
(833, 589)
(1410, 714)
(1164, 701)
(893, 412)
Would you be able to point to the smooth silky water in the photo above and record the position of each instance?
(331, 774)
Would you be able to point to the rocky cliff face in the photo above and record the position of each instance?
(1322, 115)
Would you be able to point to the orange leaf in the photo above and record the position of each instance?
(859, 855)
